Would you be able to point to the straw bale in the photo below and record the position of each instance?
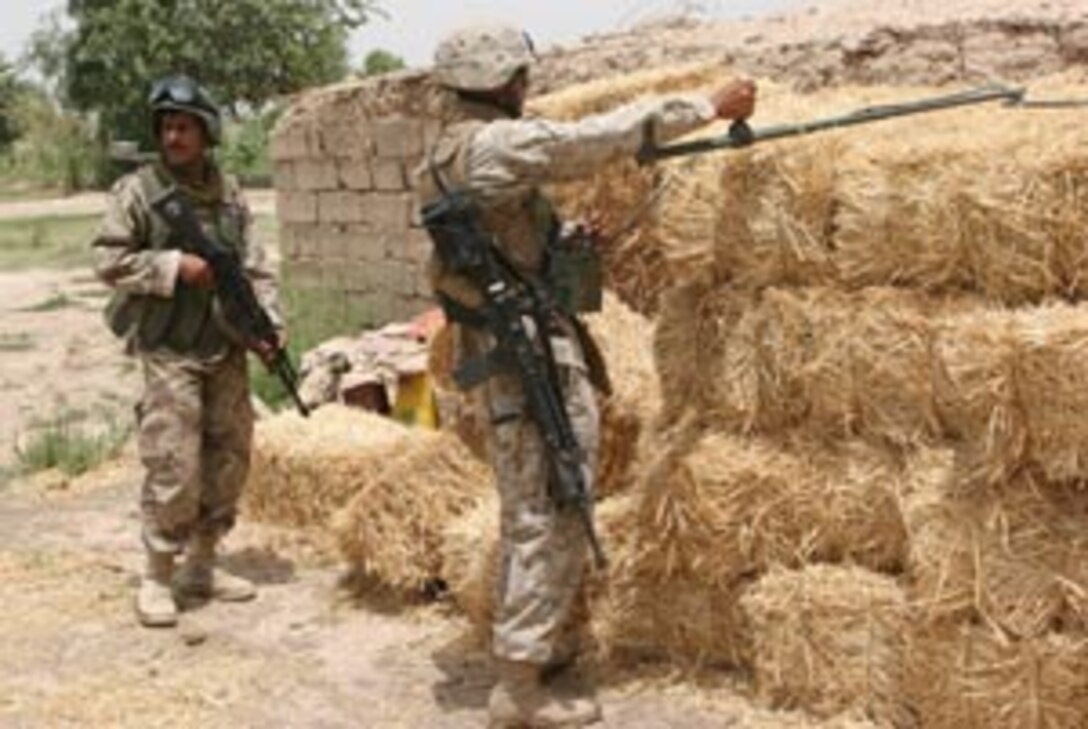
(625, 339)
(832, 363)
(305, 469)
(391, 529)
(828, 639)
(1017, 559)
(694, 324)
(710, 516)
(982, 199)
(1013, 390)
(969, 677)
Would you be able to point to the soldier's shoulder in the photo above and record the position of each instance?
(129, 188)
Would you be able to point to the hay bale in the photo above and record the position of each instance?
(690, 340)
(830, 363)
(391, 529)
(829, 639)
(1016, 558)
(625, 339)
(969, 677)
(1013, 390)
(986, 200)
(305, 469)
(711, 515)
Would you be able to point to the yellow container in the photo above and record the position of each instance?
(415, 404)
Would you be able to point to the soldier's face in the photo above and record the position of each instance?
(182, 138)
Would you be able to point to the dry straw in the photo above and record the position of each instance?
(829, 639)
(986, 200)
(304, 470)
(708, 517)
(625, 339)
(894, 367)
(969, 677)
(1013, 389)
(1016, 558)
(391, 529)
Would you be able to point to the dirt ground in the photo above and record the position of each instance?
(305, 654)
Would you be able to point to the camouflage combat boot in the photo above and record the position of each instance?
(520, 700)
(199, 577)
(155, 606)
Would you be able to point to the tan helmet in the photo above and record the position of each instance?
(482, 57)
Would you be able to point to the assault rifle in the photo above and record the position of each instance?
(742, 135)
(466, 248)
(241, 309)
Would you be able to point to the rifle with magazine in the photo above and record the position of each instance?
(464, 246)
(242, 311)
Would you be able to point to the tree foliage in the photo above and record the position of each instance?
(245, 52)
(11, 90)
(380, 61)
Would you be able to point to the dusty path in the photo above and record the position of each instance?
(57, 358)
(303, 655)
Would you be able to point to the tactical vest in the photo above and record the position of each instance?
(187, 322)
(522, 225)
(524, 229)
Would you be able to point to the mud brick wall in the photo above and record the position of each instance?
(344, 157)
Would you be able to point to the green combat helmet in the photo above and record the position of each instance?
(482, 58)
(180, 93)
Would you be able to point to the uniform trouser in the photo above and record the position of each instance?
(195, 435)
(544, 550)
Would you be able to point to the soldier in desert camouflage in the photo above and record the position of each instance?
(501, 159)
(195, 420)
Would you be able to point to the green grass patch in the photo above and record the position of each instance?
(313, 316)
(51, 242)
(18, 342)
(68, 443)
(55, 302)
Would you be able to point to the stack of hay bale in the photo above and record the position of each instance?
(863, 486)
(381, 491)
(872, 360)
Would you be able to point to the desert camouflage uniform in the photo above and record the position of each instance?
(195, 418)
(504, 162)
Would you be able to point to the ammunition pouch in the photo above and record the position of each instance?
(574, 272)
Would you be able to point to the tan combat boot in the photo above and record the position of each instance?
(200, 578)
(520, 700)
(155, 606)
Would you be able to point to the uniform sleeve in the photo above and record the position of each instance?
(122, 257)
(260, 268)
(506, 157)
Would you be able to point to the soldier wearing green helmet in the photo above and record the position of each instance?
(501, 161)
(195, 419)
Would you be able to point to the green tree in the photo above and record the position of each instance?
(379, 62)
(246, 52)
(11, 90)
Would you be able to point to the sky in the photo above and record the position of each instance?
(414, 26)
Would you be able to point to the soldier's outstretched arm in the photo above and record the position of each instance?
(507, 156)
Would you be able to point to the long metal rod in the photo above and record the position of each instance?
(741, 135)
